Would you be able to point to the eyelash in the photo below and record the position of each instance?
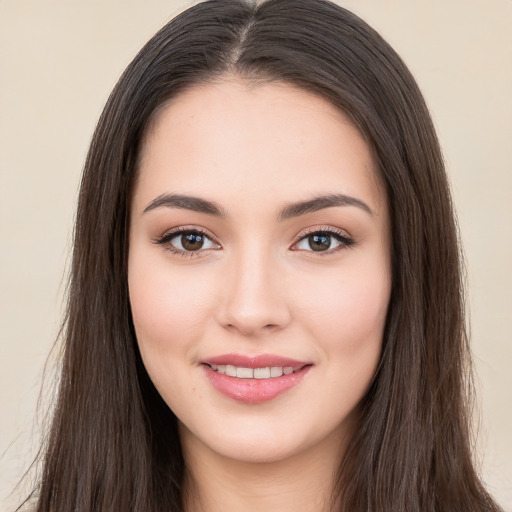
(167, 237)
(344, 241)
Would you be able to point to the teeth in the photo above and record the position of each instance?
(245, 373)
(253, 373)
(262, 373)
(231, 370)
(276, 371)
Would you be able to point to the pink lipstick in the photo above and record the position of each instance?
(254, 379)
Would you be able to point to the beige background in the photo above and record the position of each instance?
(58, 63)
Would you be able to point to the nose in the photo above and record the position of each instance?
(254, 296)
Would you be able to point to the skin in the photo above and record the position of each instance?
(258, 287)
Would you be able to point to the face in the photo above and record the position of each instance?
(259, 268)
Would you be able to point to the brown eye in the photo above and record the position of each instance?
(319, 242)
(192, 241)
(323, 241)
(188, 241)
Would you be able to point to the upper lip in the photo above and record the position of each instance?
(257, 361)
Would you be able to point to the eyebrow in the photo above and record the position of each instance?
(320, 203)
(195, 204)
(297, 209)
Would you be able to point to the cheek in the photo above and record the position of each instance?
(170, 313)
(170, 308)
(346, 314)
(349, 308)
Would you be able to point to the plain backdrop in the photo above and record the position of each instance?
(58, 62)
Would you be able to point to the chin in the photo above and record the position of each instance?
(268, 443)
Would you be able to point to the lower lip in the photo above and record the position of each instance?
(254, 391)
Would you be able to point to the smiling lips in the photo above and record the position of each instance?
(269, 372)
(254, 379)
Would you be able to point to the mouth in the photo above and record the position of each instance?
(254, 380)
(267, 372)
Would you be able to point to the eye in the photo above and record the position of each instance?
(323, 241)
(183, 241)
(191, 241)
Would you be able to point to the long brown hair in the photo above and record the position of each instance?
(113, 443)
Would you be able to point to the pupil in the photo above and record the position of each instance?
(192, 242)
(319, 242)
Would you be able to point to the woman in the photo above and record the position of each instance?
(265, 304)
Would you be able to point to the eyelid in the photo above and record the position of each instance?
(342, 236)
(165, 239)
(344, 239)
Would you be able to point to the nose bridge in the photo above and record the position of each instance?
(253, 298)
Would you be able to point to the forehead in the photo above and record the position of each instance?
(230, 138)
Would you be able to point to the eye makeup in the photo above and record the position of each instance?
(323, 241)
(187, 241)
(193, 241)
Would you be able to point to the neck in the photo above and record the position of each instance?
(302, 482)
